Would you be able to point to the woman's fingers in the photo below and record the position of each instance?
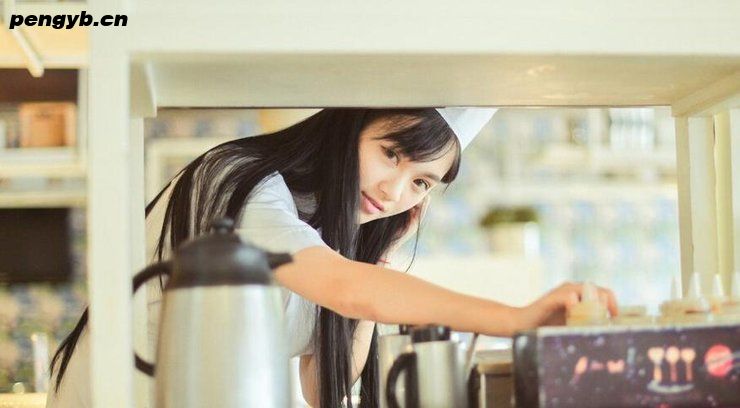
(606, 296)
(572, 298)
(610, 302)
(551, 308)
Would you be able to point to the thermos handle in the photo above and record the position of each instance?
(404, 362)
(151, 271)
(277, 259)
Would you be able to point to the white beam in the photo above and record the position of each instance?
(683, 175)
(734, 130)
(110, 231)
(138, 253)
(697, 200)
(33, 60)
(83, 123)
(723, 165)
(143, 95)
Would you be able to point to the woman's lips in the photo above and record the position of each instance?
(370, 206)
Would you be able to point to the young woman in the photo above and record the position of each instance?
(340, 191)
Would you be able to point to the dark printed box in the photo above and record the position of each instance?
(666, 366)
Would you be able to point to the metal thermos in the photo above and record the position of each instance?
(221, 337)
(390, 346)
(434, 372)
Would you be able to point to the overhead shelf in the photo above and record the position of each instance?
(501, 53)
(421, 80)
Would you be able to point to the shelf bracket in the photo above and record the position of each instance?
(143, 94)
(710, 100)
(33, 60)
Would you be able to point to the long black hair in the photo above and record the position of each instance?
(317, 157)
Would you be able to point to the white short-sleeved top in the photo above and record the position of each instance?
(270, 220)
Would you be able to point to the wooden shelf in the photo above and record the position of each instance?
(54, 162)
(495, 80)
(43, 199)
(498, 53)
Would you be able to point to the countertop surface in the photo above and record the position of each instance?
(29, 400)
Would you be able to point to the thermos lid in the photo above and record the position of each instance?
(422, 334)
(222, 258)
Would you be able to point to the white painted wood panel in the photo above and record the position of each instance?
(142, 382)
(723, 165)
(110, 243)
(703, 199)
(685, 221)
(734, 136)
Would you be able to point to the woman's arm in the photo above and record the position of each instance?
(363, 291)
(369, 292)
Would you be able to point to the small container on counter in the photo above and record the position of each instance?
(492, 380)
(632, 315)
(693, 308)
(590, 311)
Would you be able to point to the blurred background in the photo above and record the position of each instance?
(544, 195)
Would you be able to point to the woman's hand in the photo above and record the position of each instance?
(550, 309)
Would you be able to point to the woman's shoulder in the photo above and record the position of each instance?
(272, 191)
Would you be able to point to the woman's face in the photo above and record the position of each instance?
(390, 183)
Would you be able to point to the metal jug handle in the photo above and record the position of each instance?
(275, 260)
(404, 362)
(151, 271)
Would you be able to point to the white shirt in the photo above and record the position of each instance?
(270, 221)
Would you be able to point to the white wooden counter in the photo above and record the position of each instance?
(685, 54)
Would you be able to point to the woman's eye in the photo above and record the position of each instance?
(423, 183)
(391, 154)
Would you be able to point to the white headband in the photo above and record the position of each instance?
(466, 122)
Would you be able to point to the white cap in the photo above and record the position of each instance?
(466, 122)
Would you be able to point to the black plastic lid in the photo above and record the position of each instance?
(422, 334)
(222, 258)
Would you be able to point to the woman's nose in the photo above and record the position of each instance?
(392, 189)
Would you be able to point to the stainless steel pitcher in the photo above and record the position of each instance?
(390, 346)
(221, 335)
(434, 372)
